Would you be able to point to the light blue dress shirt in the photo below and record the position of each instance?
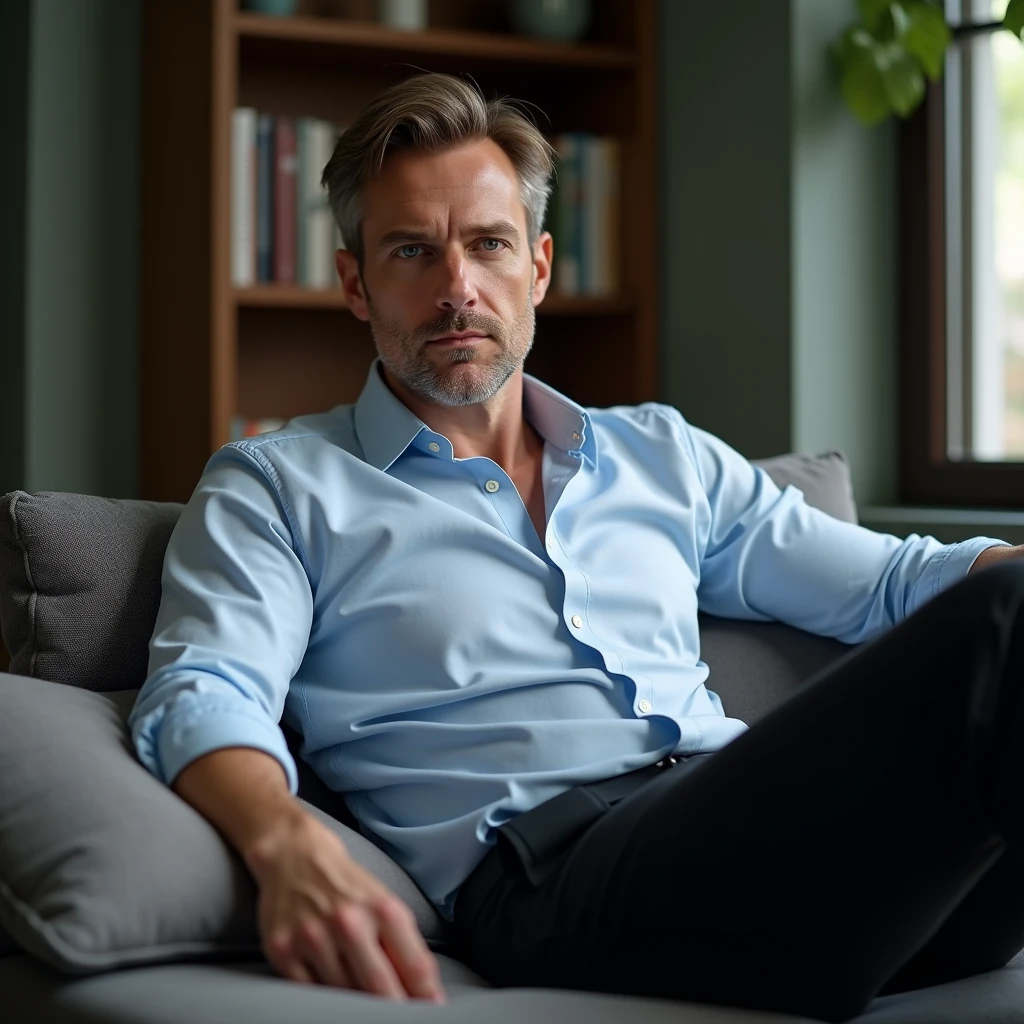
(447, 667)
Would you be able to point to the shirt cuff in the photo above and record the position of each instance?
(959, 559)
(197, 726)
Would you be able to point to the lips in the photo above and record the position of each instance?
(460, 336)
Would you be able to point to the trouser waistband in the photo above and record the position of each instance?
(532, 843)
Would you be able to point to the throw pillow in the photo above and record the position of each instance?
(101, 865)
(824, 480)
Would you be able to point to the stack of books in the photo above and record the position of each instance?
(583, 215)
(282, 229)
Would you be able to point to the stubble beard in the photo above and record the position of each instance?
(405, 355)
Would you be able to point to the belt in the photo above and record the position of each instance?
(531, 844)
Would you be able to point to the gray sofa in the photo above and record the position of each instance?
(119, 903)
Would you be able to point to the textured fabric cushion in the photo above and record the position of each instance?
(80, 585)
(101, 865)
(80, 575)
(755, 665)
(250, 993)
(824, 480)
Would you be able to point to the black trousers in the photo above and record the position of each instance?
(865, 837)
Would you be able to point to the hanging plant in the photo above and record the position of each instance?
(886, 58)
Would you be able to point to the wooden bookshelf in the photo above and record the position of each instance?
(211, 351)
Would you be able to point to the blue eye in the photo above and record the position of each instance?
(403, 252)
(496, 240)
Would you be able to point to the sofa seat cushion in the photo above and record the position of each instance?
(102, 865)
(251, 992)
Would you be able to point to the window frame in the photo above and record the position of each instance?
(927, 475)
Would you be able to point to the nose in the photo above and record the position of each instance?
(456, 289)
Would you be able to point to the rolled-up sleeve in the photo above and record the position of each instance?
(233, 623)
(770, 556)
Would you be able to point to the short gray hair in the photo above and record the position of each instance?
(434, 112)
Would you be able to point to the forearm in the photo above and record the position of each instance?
(992, 555)
(244, 793)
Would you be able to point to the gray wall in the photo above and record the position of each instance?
(74, 362)
(779, 244)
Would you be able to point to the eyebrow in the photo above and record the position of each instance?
(498, 227)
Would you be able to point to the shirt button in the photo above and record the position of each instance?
(434, 446)
(575, 436)
(645, 706)
(576, 621)
(491, 486)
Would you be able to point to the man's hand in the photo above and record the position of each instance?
(996, 554)
(323, 918)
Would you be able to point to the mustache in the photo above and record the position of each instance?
(456, 322)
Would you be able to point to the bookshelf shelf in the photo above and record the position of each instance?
(277, 296)
(334, 37)
(212, 352)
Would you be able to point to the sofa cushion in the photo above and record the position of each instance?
(80, 586)
(101, 865)
(824, 480)
(80, 575)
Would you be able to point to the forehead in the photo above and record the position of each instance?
(477, 182)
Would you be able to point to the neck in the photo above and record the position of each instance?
(495, 429)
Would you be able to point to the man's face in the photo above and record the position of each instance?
(449, 282)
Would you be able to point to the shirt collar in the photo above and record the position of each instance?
(386, 426)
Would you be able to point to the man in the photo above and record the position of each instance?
(477, 603)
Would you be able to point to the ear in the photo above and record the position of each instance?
(543, 250)
(352, 284)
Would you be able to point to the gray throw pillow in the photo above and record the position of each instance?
(103, 866)
(824, 480)
(80, 585)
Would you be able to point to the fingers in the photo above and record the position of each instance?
(401, 940)
(320, 951)
(279, 952)
(371, 969)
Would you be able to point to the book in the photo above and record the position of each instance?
(601, 216)
(264, 198)
(567, 263)
(243, 197)
(284, 203)
(589, 213)
(613, 215)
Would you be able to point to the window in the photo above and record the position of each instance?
(962, 168)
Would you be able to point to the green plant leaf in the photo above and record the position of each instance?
(1014, 18)
(871, 13)
(902, 78)
(927, 36)
(862, 85)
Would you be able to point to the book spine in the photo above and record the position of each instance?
(243, 197)
(592, 252)
(285, 166)
(567, 267)
(265, 199)
(613, 214)
(302, 176)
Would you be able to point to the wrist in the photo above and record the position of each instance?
(996, 554)
(265, 844)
